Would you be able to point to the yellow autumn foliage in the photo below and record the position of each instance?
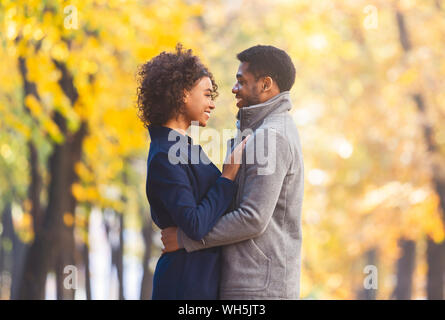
(369, 174)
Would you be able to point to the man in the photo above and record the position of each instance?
(261, 236)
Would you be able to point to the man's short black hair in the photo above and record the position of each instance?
(268, 61)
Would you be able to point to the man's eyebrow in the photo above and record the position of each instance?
(239, 75)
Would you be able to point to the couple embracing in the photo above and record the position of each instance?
(234, 234)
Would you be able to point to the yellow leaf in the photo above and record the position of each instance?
(33, 105)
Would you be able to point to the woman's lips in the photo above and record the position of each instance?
(207, 114)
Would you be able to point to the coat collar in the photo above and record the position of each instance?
(167, 134)
(249, 117)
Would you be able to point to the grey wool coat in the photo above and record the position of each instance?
(261, 235)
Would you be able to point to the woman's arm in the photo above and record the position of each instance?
(169, 187)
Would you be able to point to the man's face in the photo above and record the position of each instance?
(246, 88)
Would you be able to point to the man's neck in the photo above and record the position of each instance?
(266, 96)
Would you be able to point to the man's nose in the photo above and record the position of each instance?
(235, 89)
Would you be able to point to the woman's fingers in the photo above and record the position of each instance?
(238, 152)
(231, 168)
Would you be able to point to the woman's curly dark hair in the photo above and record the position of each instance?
(161, 84)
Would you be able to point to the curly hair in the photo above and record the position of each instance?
(161, 84)
(270, 61)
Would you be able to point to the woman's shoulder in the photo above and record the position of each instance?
(159, 158)
(179, 155)
(164, 162)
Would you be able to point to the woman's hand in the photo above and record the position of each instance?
(233, 162)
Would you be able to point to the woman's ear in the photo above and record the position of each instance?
(186, 96)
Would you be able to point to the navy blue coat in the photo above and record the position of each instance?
(191, 197)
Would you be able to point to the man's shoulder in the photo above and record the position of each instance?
(281, 124)
(277, 120)
(286, 132)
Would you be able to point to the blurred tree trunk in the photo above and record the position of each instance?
(371, 259)
(119, 250)
(5, 239)
(114, 230)
(86, 259)
(12, 253)
(55, 246)
(86, 256)
(2, 259)
(147, 278)
(405, 270)
(119, 254)
(12, 250)
(33, 281)
(436, 271)
(35, 186)
(436, 266)
(19, 251)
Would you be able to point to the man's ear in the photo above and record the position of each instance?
(267, 83)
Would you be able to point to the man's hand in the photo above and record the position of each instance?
(169, 237)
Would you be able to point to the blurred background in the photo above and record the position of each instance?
(369, 102)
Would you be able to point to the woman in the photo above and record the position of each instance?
(174, 90)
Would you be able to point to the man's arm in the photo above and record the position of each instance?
(260, 195)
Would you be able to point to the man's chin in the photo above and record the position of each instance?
(240, 104)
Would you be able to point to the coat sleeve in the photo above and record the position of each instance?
(169, 188)
(261, 190)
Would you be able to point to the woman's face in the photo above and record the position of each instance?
(198, 103)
